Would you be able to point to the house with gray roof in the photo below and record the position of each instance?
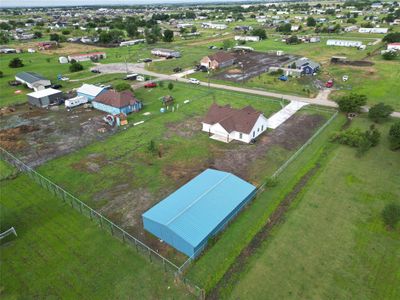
(306, 65)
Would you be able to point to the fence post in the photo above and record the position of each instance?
(149, 255)
(123, 236)
(101, 221)
(111, 228)
(80, 207)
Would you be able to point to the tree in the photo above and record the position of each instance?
(168, 36)
(37, 34)
(54, 37)
(15, 63)
(389, 55)
(1, 74)
(393, 37)
(131, 29)
(391, 215)
(226, 44)
(292, 40)
(311, 22)
(260, 32)
(352, 103)
(170, 86)
(193, 29)
(4, 39)
(75, 67)
(66, 32)
(285, 28)
(380, 112)
(123, 86)
(394, 136)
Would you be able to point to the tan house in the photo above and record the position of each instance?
(218, 60)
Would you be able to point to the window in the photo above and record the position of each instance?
(262, 127)
(240, 135)
(254, 133)
(258, 129)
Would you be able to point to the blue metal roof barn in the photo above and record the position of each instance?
(187, 218)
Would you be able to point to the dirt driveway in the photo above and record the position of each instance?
(37, 135)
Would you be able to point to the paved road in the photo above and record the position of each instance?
(320, 99)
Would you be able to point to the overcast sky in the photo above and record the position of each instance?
(13, 3)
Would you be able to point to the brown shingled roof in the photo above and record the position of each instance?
(231, 119)
(116, 99)
(221, 56)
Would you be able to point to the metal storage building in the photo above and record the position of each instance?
(45, 97)
(198, 210)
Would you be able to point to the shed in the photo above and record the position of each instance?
(90, 91)
(33, 80)
(198, 210)
(45, 97)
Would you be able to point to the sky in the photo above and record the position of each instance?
(24, 3)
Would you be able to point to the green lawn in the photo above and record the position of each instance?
(333, 244)
(216, 260)
(380, 82)
(60, 254)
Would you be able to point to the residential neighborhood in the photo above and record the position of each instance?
(199, 150)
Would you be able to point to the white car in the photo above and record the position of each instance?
(194, 81)
(345, 77)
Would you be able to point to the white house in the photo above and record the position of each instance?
(33, 80)
(214, 26)
(132, 42)
(165, 52)
(247, 38)
(224, 123)
(344, 43)
(373, 30)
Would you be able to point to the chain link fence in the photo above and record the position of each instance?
(103, 222)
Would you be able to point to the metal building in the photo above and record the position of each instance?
(198, 210)
(45, 97)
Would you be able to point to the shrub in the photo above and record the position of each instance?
(354, 137)
(66, 32)
(123, 86)
(170, 86)
(161, 84)
(380, 112)
(394, 136)
(390, 55)
(75, 67)
(15, 63)
(391, 215)
(1, 74)
(54, 37)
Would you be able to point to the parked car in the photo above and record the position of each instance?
(201, 68)
(95, 71)
(329, 83)
(56, 86)
(345, 77)
(147, 60)
(169, 57)
(283, 78)
(194, 81)
(150, 85)
(177, 69)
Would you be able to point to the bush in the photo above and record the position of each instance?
(354, 137)
(170, 86)
(394, 136)
(161, 84)
(168, 36)
(391, 215)
(75, 67)
(390, 55)
(66, 32)
(122, 87)
(352, 103)
(15, 63)
(1, 74)
(380, 112)
(54, 37)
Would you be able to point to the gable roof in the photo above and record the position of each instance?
(197, 208)
(116, 99)
(231, 119)
(44, 93)
(90, 89)
(221, 56)
(304, 61)
(30, 77)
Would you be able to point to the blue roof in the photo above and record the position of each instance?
(197, 208)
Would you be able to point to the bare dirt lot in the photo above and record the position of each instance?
(254, 64)
(37, 135)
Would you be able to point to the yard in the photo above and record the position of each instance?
(121, 178)
(61, 254)
(333, 243)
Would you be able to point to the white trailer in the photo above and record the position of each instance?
(73, 102)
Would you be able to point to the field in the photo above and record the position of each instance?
(61, 254)
(333, 243)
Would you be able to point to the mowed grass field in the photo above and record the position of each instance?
(333, 243)
(60, 254)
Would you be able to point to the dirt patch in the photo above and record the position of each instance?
(37, 135)
(231, 276)
(187, 129)
(290, 136)
(254, 64)
(91, 164)
(355, 63)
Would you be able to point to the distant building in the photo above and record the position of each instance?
(44, 98)
(393, 47)
(114, 103)
(33, 80)
(47, 45)
(165, 52)
(132, 42)
(87, 56)
(373, 30)
(218, 60)
(224, 123)
(344, 43)
(307, 66)
(247, 38)
(214, 26)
